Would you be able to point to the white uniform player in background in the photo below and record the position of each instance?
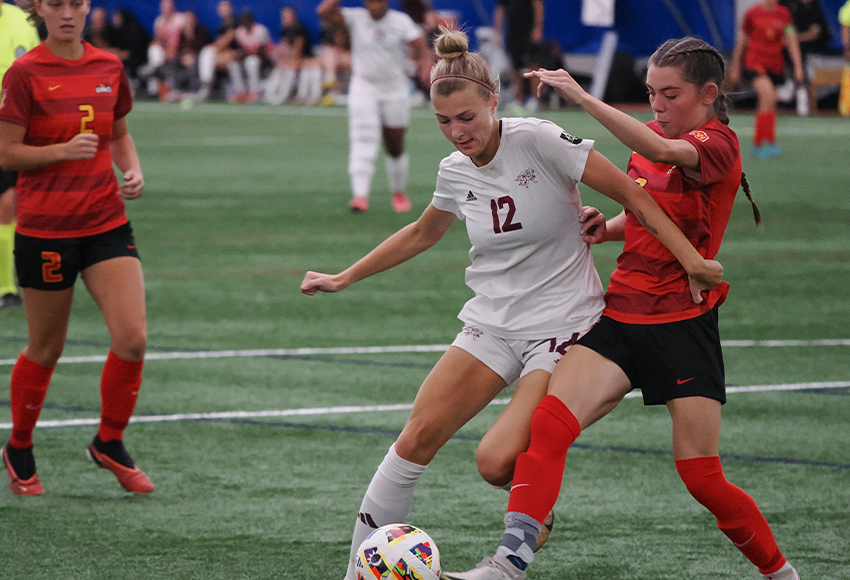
(379, 93)
(514, 181)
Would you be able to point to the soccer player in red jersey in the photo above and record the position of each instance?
(62, 126)
(766, 31)
(653, 334)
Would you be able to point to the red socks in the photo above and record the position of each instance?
(540, 470)
(119, 390)
(737, 514)
(765, 128)
(29, 387)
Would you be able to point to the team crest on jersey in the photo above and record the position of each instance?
(472, 331)
(470, 197)
(103, 89)
(526, 177)
(569, 138)
(701, 135)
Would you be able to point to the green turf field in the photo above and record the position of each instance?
(240, 201)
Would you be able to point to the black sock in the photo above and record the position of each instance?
(21, 460)
(114, 450)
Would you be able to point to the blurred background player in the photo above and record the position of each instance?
(218, 55)
(250, 59)
(163, 47)
(295, 63)
(379, 93)
(520, 24)
(183, 71)
(17, 36)
(759, 59)
(813, 36)
(515, 183)
(63, 135)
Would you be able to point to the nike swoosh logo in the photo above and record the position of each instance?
(682, 382)
(32, 407)
(53, 88)
(513, 487)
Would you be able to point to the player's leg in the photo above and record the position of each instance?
(9, 296)
(395, 117)
(47, 314)
(584, 387)
(279, 85)
(117, 286)
(364, 134)
(696, 431)
(764, 131)
(456, 389)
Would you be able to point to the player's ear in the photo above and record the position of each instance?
(709, 93)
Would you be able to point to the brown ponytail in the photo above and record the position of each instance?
(746, 185)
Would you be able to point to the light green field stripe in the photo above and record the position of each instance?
(228, 415)
(293, 352)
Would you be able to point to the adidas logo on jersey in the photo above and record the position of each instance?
(470, 197)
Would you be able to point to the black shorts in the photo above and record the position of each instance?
(54, 264)
(750, 75)
(665, 361)
(8, 179)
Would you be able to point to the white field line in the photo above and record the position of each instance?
(293, 352)
(227, 415)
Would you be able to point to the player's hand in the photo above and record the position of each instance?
(132, 186)
(593, 225)
(314, 282)
(709, 276)
(81, 146)
(565, 85)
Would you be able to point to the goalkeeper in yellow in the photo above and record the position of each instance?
(17, 36)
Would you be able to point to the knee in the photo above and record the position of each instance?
(131, 345)
(419, 442)
(495, 468)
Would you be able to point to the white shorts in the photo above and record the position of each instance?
(513, 359)
(390, 109)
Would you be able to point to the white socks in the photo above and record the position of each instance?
(387, 501)
(397, 171)
(787, 572)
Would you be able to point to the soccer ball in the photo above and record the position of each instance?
(397, 552)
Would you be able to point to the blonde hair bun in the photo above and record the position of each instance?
(451, 44)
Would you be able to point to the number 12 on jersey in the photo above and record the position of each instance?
(508, 225)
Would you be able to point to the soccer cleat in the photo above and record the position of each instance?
(359, 204)
(400, 202)
(495, 568)
(30, 486)
(548, 524)
(787, 572)
(131, 478)
(10, 300)
(771, 150)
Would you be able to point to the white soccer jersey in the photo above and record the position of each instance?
(532, 274)
(379, 47)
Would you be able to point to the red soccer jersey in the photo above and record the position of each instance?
(649, 285)
(55, 99)
(765, 30)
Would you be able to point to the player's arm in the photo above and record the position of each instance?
(595, 229)
(631, 132)
(793, 46)
(537, 31)
(411, 240)
(17, 156)
(604, 177)
(126, 158)
(329, 10)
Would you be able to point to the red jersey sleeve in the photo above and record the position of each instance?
(124, 103)
(16, 97)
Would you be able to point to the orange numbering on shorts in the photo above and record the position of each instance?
(52, 262)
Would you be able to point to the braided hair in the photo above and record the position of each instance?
(701, 63)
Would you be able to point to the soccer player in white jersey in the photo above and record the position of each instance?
(514, 181)
(379, 93)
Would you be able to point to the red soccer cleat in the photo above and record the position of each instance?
(359, 204)
(19, 486)
(131, 478)
(400, 202)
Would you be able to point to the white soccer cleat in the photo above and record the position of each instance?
(787, 572)
(494, 568)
